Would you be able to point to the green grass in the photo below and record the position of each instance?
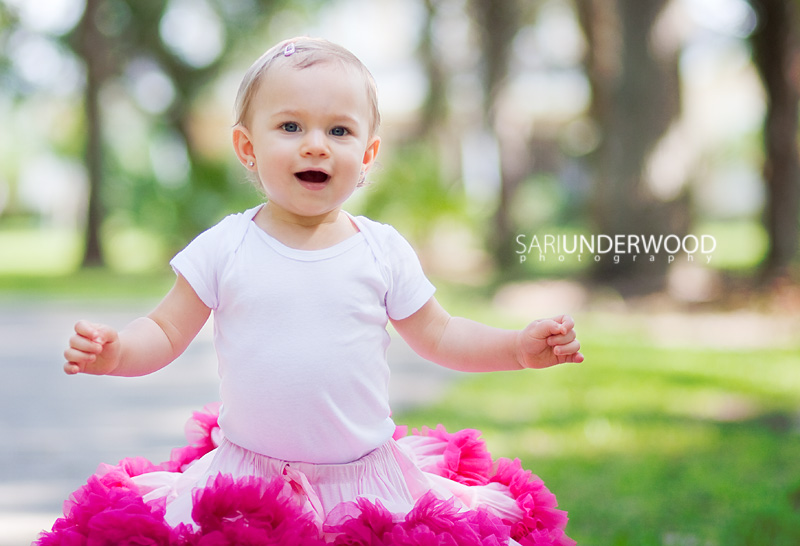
(648, 446)
(25, 251)
(44, 264)
(88, 284)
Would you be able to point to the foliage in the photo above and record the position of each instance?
(412, 193)
(178, 214)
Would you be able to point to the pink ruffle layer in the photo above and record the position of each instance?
(111, 508)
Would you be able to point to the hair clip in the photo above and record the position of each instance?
(289, 49)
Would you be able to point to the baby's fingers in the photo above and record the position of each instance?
(93, 349)
(562, 339)
(85, 345)
(72, 368)
(570, 351)
(544, 329)
(82, 350)
(89, 331)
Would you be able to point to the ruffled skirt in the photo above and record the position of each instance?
(427, 488)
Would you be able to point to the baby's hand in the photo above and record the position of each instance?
(94, 349)
(545, 343)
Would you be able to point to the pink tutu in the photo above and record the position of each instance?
(427, 488)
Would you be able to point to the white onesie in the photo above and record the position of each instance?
(301, 335)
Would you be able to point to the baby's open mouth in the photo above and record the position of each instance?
(313, 176)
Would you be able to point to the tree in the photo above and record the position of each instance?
(775, 53)
(635, 99)
(498, 23)
(91, 46)
(434, 109)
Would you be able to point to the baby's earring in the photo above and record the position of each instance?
(251, 163)
(362, 178)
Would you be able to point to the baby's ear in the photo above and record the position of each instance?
(371, 152)
(243, 146)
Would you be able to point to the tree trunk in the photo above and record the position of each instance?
(434, 109)
(498, 23)
(92, 50)
(776, 56)
(635, 99)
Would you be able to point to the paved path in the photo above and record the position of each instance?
(55, 429)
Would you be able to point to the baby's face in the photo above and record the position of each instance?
(310, 133)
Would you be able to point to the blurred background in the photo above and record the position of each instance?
(506, 124)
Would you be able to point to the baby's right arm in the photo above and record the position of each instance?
(145, 345)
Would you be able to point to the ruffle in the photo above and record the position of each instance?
(542, 523)
(110, 508)
(250, 511)
(109, 511)
(463, 457)
(431, 522)
(203, 434)
(460, 456)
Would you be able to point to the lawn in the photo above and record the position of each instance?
(650, 446)
(39, 264)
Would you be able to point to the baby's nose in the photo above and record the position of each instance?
(315, 143)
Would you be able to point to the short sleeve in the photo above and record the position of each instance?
(201, 261)
(409, 288)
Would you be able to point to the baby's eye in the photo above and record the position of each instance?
(290, 127)
(339, 131)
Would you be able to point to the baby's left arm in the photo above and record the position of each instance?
(466, 345)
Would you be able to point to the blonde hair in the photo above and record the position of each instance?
(303, 52)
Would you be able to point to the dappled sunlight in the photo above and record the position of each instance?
(39, 252)
(135, 250)
(716, 405)
(601, 437)
(57, 252)
(639, 418)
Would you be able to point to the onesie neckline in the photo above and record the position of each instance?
(308, 255)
